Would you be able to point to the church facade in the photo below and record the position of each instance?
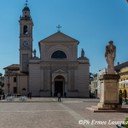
(57, 70)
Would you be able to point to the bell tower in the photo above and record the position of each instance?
(26, 39)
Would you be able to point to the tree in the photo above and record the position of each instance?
(126, 123)
(1, 84)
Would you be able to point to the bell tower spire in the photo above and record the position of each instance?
(26, 3)
(26, 38)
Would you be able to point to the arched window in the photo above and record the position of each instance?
(25, 30)
(59, 55)
(59, 77)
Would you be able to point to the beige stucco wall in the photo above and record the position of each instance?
(41, 78)
(83, 80)
(34, 79)
(47, 49)
(43, 71)
(21, 82)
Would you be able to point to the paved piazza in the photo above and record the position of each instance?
(48, 113)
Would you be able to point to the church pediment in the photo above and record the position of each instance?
(59, 37)
(60, 71)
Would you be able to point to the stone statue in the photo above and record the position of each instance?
(82, 53)
(110, 55)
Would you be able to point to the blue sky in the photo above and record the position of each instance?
(93, 22)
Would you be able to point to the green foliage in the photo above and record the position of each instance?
(1, 84)
(120, 94)
(1, 91)
(126, 123)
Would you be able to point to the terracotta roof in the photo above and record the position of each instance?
(15, 70)
(13, 67)
(120, 66)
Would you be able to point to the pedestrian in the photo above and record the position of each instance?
(59, 97)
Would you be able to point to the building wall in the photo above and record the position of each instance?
(96, 83)
(83, 80)
(123, 81)
(34, 79)
(47, 49)
(21, 84)
(76, 77)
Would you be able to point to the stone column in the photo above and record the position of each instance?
(42, 79)
(52, 88)
(109, 98)
(66, 87)
(71, 79)
(45, 78)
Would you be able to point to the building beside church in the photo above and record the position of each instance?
(57, 70)
(122, 70)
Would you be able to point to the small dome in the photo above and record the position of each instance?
(26, 8)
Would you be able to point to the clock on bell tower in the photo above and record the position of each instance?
(26, 39)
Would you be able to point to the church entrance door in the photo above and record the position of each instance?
(59, 85)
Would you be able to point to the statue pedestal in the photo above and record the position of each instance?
(109, 98)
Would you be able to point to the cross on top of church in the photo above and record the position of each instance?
(59, 27)
(26, 3)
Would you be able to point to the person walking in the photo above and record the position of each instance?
(59, 97)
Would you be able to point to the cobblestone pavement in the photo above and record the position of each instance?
(48, 113)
